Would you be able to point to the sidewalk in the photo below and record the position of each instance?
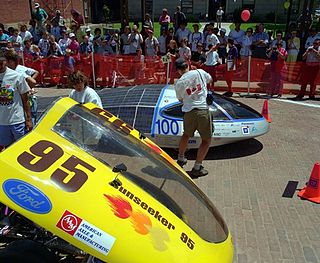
(258, 87)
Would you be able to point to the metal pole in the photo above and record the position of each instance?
(168, 69)
(22, 57)
(153, 13)
(93, 70)
(249, 74)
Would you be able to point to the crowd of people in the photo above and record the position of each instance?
(187, 49)
(50, 37)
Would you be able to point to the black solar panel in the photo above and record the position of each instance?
(45, 102)
(143, 95)
(150, 97)
(113, 110)
(133, 97)
(127, 114)
(112, 97)
(123, 103)
(144, 118)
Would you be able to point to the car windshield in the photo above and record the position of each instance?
(236, 109)
(175, 111)
(144, 167)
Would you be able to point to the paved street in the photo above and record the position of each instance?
(247, 180)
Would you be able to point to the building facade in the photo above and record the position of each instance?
(19, 11)
(15, 11)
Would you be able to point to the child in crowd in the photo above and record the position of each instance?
(139, 65)
(151, 44)
(68, 61)
(231, 66)
(81, 92)
(163, 42)
(212, 60)
(198, 58)
(184, 50)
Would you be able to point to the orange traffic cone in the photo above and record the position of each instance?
(312, 190)
(265, 111)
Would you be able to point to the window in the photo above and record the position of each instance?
(145, 168)
(175, 111)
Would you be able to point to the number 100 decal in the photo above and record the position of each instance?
(167, 126)
(44, 154)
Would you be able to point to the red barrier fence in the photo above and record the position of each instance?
(131, 70)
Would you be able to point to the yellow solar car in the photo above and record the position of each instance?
(92, 181)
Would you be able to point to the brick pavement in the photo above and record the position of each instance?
(248, 179)
(247, 190)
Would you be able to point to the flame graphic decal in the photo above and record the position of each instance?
(158, 150)
(120, 207)
(141, 223)
(159, 237)
(154, 147)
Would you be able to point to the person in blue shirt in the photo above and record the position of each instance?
(260, 43)
(86, 46)
(3, 38)
(41, 16)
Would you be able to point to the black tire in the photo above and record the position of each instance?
(27, 251)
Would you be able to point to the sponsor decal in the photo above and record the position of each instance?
(86, 233)
(254, 129)
(141, 221)
(246, 130)
(249, 123)
(27, 196)
(192, 141)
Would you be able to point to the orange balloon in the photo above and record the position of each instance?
(245, 15)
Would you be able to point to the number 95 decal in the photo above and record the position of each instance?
(44, 154)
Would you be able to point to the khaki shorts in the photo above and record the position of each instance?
(199, 120)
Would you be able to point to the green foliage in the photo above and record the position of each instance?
(106, 12)
(191, 18)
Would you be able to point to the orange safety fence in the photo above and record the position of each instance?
(122, 70)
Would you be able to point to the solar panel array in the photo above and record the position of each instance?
(134, 105)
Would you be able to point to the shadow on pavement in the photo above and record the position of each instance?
(229, 151)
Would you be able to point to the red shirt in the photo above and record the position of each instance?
(279, 63)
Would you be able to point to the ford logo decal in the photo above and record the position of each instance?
(27, 196)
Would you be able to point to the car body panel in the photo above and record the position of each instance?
(166, 131)
(65, 189)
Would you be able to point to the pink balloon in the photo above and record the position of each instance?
(245, 15)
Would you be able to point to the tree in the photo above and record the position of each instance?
(106, 12)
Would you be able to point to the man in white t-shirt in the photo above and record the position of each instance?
(211, 38)
(81, 92)
(195, 38)
(15, 114)
(30, 76)
(134, 40)
(191, 90)
(219, 16)
(182, 32)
